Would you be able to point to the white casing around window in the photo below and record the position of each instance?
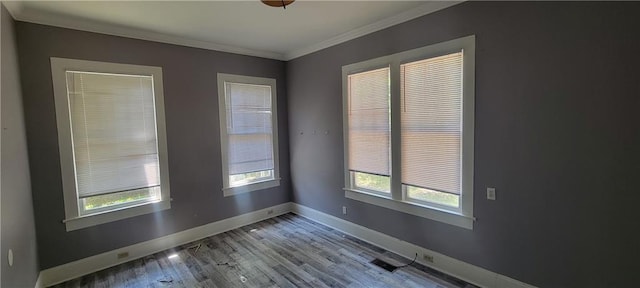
(73, 219)
(397, 200)
(262, 160)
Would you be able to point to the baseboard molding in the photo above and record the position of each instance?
(39, 281)
(72, 270)
(462, 270)
(465, 271)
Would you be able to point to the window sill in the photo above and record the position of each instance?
(114, 215)
(230, 191)
(444, 216)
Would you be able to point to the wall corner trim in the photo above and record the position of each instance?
(78, 268)
(462, 270)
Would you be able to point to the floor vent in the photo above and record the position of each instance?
(384, 265)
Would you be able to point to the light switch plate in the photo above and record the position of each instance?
(491, 193)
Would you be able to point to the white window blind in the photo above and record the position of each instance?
(249, 128)
(431, 123)
(113, 126)
(369, 128)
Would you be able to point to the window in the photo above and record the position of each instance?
(409, 131)
(248, 133)
(369, 130)
(112, 142)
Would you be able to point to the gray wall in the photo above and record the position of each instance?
(190, 92)
(557, 133)
(18, 226)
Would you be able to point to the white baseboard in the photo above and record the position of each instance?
(462, 270)
(39, 281)
(72, 270)
(470, 273)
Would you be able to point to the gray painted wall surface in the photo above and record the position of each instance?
(190, 92)
(557, 133)
(18, 225)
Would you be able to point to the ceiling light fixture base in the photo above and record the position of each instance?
(277, 3)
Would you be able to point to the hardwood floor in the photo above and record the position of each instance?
(285, 251)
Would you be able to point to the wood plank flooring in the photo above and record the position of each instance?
(285, 251)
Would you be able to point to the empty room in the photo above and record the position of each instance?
(306, 143)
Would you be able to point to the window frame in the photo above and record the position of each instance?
(398, 200)
(370, 65)
(73, 218)
(227, 189)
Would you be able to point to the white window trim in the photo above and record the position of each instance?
(461, 217)
(73, 220)
(227, 189)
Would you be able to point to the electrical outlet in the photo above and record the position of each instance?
(344, 210)
(491, 193)
(123, 255)
(427, 257)
(270, 211)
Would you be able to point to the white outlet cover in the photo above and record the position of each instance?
(491, 193)
(10, 257)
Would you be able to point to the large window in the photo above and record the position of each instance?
(409, 131)
(369, 130)
(248, 133)
(111, 140)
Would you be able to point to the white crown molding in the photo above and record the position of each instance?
(13, 7)
(16, 9)
(427, 8)
(18, 12)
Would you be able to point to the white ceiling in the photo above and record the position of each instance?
(245, 27)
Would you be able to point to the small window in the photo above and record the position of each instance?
(111, 139)
(248, 133)
(409, 131)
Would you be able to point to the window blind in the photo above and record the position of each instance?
(431, 121)
(113, 130)
(249, 128)
(369, 123)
